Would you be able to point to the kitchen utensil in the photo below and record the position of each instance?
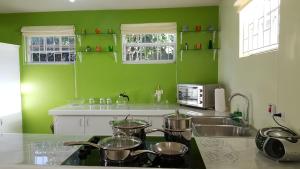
(115, 148)
(132, 127)
(177, 122)
(183, 137)
(165, 150)
(278, 143)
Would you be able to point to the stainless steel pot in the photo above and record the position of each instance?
(177, 122)
(121, 148)
(115, 148)
(132, 127)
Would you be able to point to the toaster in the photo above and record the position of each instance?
(278, 143)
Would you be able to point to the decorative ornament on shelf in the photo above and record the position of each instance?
(186, 46)
(198, 28)
(210, 44)
(98, 31)
(109, 31)
(185, 28)
(83, 31)
(110, 48)
(198, 46)
(98, 48)
(210, 28)
(88, 49)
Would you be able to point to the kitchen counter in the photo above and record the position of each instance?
(237, 153)
(47, 151)
(133, 109)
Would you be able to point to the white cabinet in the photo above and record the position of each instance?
(69, 125)
(96, 124)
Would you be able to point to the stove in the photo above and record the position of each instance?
(89, 156)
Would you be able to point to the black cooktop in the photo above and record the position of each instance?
(89, 156)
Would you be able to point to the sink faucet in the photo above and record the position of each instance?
(247, 102)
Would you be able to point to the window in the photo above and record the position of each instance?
(149, 43)
(49, 45)
(259, 27)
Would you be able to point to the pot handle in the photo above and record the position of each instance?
(74, 143)
(155, 130)
(138, 152)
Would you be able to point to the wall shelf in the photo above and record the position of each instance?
(213, 32)
(80, 51)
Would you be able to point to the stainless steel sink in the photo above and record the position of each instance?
(223, 130)
(213, 120)
(220, 126)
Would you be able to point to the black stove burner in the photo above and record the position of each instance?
(90, 156)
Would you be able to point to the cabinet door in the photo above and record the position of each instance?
(69, 125)
(98, 125)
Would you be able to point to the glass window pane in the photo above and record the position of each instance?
(42, 45)
(43, 57)
(50, 57)
(65, 57)
(65, 41)
(57, 57)
(72, 57)
(35, 57)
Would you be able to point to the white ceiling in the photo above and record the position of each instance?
(18, 6)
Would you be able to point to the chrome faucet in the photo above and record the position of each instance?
(247, 108)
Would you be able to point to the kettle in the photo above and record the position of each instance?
(278, 143)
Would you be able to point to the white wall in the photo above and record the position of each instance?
(263, 77)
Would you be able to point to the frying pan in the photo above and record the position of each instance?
(165, 149)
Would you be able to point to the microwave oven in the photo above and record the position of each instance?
(196, 95)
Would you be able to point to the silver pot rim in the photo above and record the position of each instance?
(106, 143)
(125, 124)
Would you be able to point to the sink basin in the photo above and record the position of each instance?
(222, 130)
(214, 120)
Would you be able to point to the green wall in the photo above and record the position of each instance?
(98, 75)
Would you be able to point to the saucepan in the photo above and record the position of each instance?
(134, 127)
(121, 148)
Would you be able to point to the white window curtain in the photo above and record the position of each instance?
(170, 27)
(240, 4)
(68, 30)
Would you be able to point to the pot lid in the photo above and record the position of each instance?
(130, 124)
(120, 142)
(177, 116)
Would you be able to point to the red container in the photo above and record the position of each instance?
(98, 49)
(198, 46)
(98, 31)
(198, 28)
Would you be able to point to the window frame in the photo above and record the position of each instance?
(29, 51)
(263, 48)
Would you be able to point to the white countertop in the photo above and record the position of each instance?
(237, 153)
(47, 151)
(133, 109)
